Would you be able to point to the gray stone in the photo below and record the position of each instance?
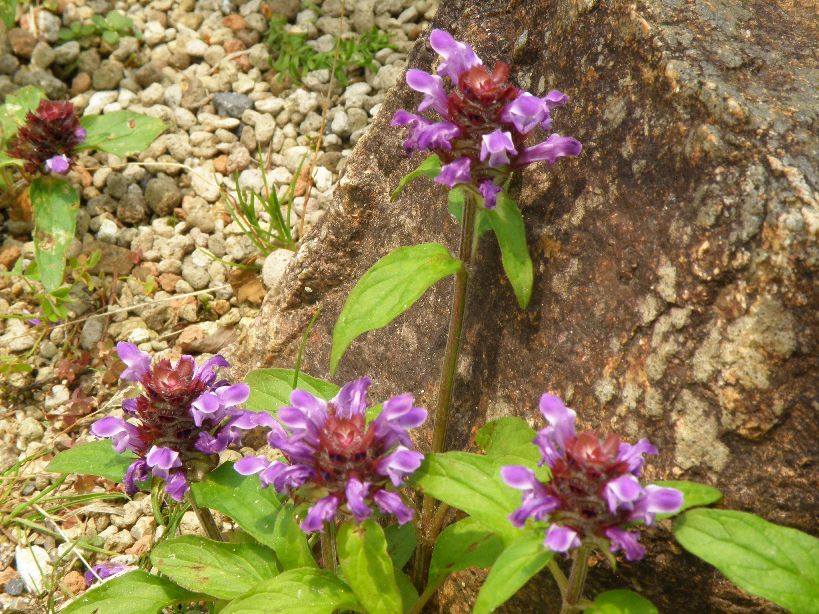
(49, 25)
(108, 75)
(91, 333)
(42, 56)
(196, 276)
(162, 195)
(285, 8)
(231, 104)
(274, 266)
(14, 587)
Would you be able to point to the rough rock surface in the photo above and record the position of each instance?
(675, 259)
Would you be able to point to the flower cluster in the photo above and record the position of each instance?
(335, 458)
(181, 421)
(485, 122)
(48, 139)
(594, 494)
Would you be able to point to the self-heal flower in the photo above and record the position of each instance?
(336, 460)
(181, 421)
(101, 571)
(594, 494)
(49, 138)
(481, 117)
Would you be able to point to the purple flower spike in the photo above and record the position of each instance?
(489, 190)
(58, 164)
(496, 147)
(455, 172)
(336, 455)
(594, 493)
(431, 86)
(457, 57)
(550, 150)
(179, 424)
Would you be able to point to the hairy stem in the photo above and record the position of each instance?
(559, 576)
(577, 580)
(428, 528)
(328, 546)
(205, 519)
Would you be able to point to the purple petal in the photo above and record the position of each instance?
(161, 460)
(204, 406)
(626, 541)
(525, 112)
(458, 57)
(432, 87)
(519, 477)
(205, 372)
(103, 571)
(536, 505)
(663, 500)
(324, 510)
(399, 410)
(424, 134)
(356, 492)
(137, 472)
(490, 191)
(351, 400)
(176, 485)
(561, 539)
(550, 150)
(250, 465)
(391, 503)
(138, 363)
(632, 455)
(58, 164)
(124, 436)
(312, 407)
(496, 147)
(622, 493)
(251, 419)
(230, 396)
(399, 464)
(208, 444)
(455, 172)
(286, 477)
(129, 406)
(559, 416)
(555, 99)
(80, 134)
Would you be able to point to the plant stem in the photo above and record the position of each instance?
(577, 580)
(328, 547)
(559, 576)
(423, 552)
(205, 519)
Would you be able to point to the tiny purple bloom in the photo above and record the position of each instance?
(102, 571)
(525, 112)
(322, 511)
(390, 503)
(489, 190)
(627, 541)
(138, 363)
(58, 164)
(622, 492)
(550, 150)
(431, 86)
(561, 539)
(496, 147)
(457, 57)
(555, 99)
(356, 492)
(455, 172)
(80, 134)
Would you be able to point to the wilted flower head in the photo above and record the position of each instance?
(181, 421)
(594, 494)
(48, 139)
(335, 458)
(484, 121)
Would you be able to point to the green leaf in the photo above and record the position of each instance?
(471, 483)
(509, 438)
(121, 133)
(408, 593)
(8, 12)
(431, 167)
(401, 541)
(507, 222)
(54, 204)
(258, 511)
(388, 289)
(362, 554)
(521, 560)
(135, 592)
(621, 601)
(110, 37)
(462, 545)
(767, 560)
(298, 591)
(270, 388)
(455, 204)
(13, 112)
(94, 458)
(219, 569)
(694, 494)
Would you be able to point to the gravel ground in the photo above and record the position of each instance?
(162, 227)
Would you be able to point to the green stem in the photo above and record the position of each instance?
(328, 547)
(577, 580)
(205, 519)
(559, 576)
(423, 553)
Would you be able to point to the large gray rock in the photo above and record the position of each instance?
(674, 260)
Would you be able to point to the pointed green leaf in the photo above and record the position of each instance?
(270, 388)
(408, 593)
(362, 554)
(621, 601)
(431, 167)
(388, 289)
(8, 13)
(463, 545)
(507, 222)
(94, 458)
(54, 204)
(223, 570)
(135, 592)
(694, 494)
(121, 133)
(401, 541)
(509, 438)
(471, 483)
(258, 511)
(13, 112)
(515, 566)
(767, 560)
(298, 591)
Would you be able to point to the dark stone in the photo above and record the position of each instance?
(674, 261)
(131, 209)
(89, 61)
(231, 104)
(22, 42)
(108, 75)
(162, 195)
(14, 587)
(53, 87)
(148, 74)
